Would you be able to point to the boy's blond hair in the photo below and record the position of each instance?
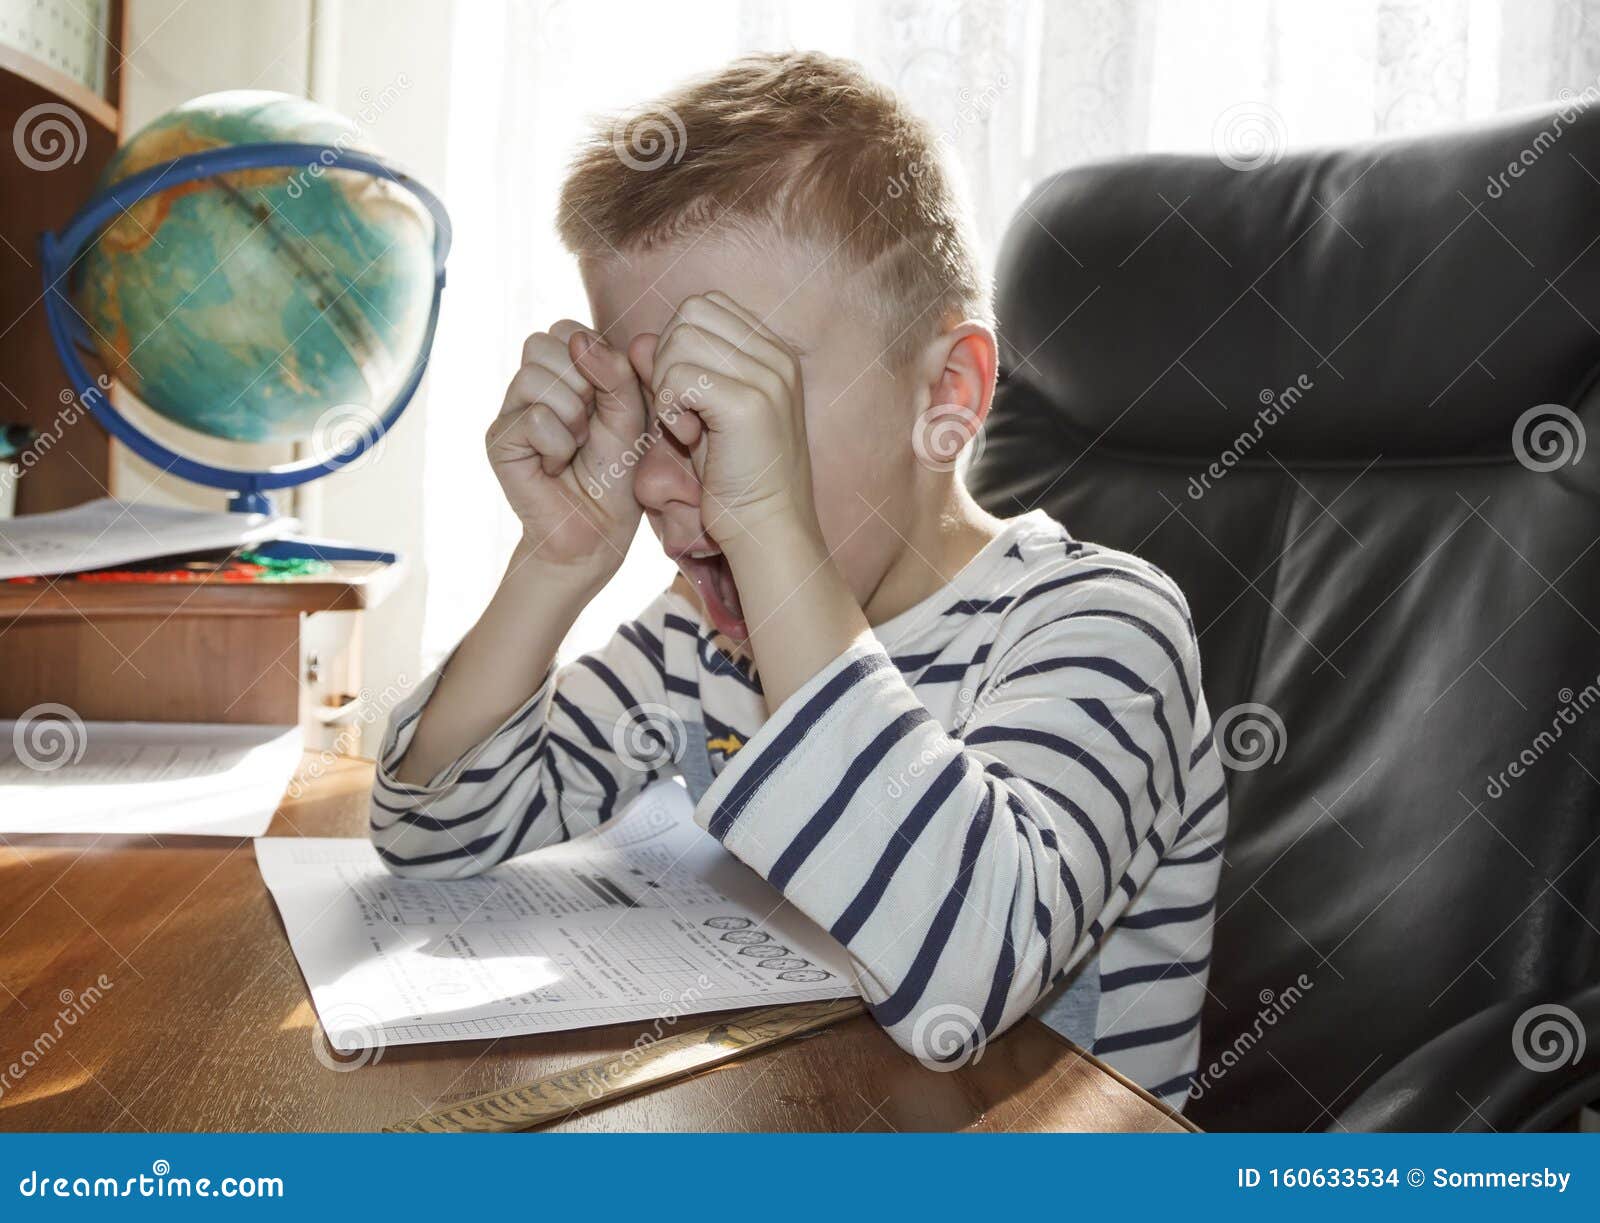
(807, 144)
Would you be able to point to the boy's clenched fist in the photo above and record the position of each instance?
(572, 412)
(730, 391)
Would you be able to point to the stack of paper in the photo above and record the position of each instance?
(61, 775)
(110, 532)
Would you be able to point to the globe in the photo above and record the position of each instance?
(261, 304)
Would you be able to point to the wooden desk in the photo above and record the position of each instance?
(207, 1024)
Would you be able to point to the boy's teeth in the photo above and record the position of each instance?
(704, 555)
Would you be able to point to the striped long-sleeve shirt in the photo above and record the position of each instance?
(1006, 799)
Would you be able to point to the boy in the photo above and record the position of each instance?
(975, 750)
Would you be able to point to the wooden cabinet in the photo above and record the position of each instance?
(214, 651)
(192, 652)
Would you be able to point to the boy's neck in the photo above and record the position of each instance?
(933, 555)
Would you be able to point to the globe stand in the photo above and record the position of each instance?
(251, 489)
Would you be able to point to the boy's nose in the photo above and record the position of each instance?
(665, 482)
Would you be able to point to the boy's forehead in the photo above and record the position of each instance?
(780, 282)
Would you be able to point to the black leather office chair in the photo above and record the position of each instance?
(1394, 576)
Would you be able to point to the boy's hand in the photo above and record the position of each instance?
(730, 391)
(572, 412)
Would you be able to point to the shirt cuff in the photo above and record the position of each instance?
(403, 728)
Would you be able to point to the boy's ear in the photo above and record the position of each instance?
(959, 374)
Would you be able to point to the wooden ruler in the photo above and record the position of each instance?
(611, 1078)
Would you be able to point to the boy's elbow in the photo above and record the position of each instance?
(412, 853)
(947, 1029)
(955, 1018)
(434, 869)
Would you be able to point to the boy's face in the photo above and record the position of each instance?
(858, 415)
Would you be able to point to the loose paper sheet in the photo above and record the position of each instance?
(109, 532)
(61, 775)
(649, 918)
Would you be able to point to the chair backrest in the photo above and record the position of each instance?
(1341, 398)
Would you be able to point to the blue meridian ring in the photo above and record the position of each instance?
(58, 253)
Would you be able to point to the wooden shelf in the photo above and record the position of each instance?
(352, 586)
(212, 651)
(59, 87)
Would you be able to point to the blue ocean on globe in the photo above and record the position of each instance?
(252, 305)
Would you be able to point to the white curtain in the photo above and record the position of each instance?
(1018, 88)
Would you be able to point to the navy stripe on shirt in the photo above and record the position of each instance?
(779, 748)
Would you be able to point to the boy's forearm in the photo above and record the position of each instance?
(501, 662)
(801, 614)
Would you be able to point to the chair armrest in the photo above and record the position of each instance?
(1518, 1065)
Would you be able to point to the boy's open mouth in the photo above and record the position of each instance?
(713, 578)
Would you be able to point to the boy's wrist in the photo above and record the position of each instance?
(799, 611)
(581, 577)
(784, 569)
(782, 539)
